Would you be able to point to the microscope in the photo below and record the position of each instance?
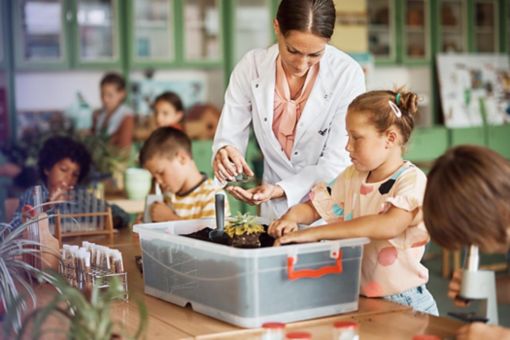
(480, 286)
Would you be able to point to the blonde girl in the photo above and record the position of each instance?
(379, 196)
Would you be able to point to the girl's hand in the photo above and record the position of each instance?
(257, 195)
(160, 212)
(228, 163)
(301, 236)
(454, 289)
(281, 227)
(478, 330)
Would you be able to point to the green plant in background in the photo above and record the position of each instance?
(16, 274)
(106, 157)
(243, 224)
(86, 319)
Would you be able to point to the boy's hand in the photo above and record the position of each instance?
(478, 330)
(228, 163)
(454, 289)
(60, 193)
(160, 212)
(281, 227)
(139, 219)
(301, 236)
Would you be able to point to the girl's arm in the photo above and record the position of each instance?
(304, 213)
(380, 227)
(124, 135)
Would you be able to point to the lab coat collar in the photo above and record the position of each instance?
(263, 92)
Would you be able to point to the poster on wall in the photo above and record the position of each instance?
(474, 85)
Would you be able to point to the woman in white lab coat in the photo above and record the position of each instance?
(295, 94)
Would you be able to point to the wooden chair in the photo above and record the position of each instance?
(455, 256)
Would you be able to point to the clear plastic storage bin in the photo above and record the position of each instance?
(247, 287)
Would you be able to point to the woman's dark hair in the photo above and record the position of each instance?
(315, 16)
(114, 79)
(59, 148)
(171, 98)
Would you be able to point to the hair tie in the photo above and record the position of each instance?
(395, 109)
(397, 99)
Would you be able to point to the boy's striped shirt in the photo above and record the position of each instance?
(199, 203)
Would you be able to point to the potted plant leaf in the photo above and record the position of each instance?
(85, 319)
(16, 275)
(243, 231)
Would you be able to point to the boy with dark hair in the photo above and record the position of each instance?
(189, 193)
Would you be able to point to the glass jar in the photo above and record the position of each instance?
(346, 330)
(273, 331)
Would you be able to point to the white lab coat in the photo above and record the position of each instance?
(319, 152)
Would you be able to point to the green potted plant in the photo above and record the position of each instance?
(87, 319)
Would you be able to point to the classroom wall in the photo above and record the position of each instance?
(56, 90)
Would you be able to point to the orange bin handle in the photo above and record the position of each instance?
(292, 274)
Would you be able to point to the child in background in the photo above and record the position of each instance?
(190, 194)
(379, 197)
(168, 110)
(62, 163)
(115, 119)
(466, 203)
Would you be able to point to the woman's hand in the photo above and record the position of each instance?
(478, 330)
(454, 289)
(160, 212)
(301, 236)
(228, 163)
(257, 195)
(281, 227)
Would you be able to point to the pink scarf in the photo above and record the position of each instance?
(287, 111)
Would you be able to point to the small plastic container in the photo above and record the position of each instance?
(298, 335)
(273, 331)
(346, 330)
(426, 337)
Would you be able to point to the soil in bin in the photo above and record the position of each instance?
(265, 239)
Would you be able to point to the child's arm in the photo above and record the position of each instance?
(160, 212)
(503, 289)
(302, 213)
(480, 330)
(125, 132)
(382, 227)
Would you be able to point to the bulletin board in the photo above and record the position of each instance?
(474, 88)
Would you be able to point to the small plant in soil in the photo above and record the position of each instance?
(243, 231)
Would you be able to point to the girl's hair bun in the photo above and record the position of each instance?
(408, 102)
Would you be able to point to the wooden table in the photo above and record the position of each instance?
(128, 205)
(377, 318)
